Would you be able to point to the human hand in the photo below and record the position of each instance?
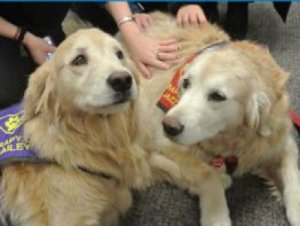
(37, 47)
(143, 20)
(190, 15)
(144, 51)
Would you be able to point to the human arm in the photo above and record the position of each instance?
(143, 20)
(37, 47)
(8, 30)
(142, 48)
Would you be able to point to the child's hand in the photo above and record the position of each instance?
(190, 15)
(143, 20)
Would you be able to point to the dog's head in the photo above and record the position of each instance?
(89, 72)
(223, 90)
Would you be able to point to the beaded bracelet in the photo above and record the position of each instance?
(125, 19)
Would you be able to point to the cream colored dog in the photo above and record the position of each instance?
(79, 116)
(233, 102)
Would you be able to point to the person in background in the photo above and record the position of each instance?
(22, 47)
(236, 20)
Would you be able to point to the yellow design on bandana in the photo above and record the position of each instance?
(12, 123)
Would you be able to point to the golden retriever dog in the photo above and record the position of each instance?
(79, 117)
(234, 105)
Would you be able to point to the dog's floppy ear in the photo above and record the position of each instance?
(38, 90)
(257, 113)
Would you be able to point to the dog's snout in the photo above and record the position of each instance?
(172, 126)
(120, 81)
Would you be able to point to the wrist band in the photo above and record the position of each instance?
(125, 19)
(21, 35)
(17, 34)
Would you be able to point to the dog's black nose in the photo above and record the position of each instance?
(172, 127)
(120, 81)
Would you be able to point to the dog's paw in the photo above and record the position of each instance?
(141, 183)
(220, 221)
(226, 181)
(216, 219)
(143, 178)
(293, 211)
(293, 216)
(167, 166)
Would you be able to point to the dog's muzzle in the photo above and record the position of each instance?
(172, 126)
(120, 81)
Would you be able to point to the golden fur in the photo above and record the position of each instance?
(74, 123)
(120, 141)
(258, 133)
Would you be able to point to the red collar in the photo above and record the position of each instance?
(231, 163)
(295, 118)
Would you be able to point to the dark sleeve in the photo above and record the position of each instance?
(97, 15)
(173, 7)
(154, 6)
(282, 9)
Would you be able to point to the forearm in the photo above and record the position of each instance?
(119, 10)
(7, 29)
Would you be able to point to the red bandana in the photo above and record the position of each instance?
(170, 96)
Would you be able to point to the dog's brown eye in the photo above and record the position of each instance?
(79, 60)
(216, 96)
(186, 83)
(120, 54)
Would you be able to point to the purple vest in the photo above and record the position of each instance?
(13, 148)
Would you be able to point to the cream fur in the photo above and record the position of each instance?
(119, 140)
(71, 117)
(252, 124)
